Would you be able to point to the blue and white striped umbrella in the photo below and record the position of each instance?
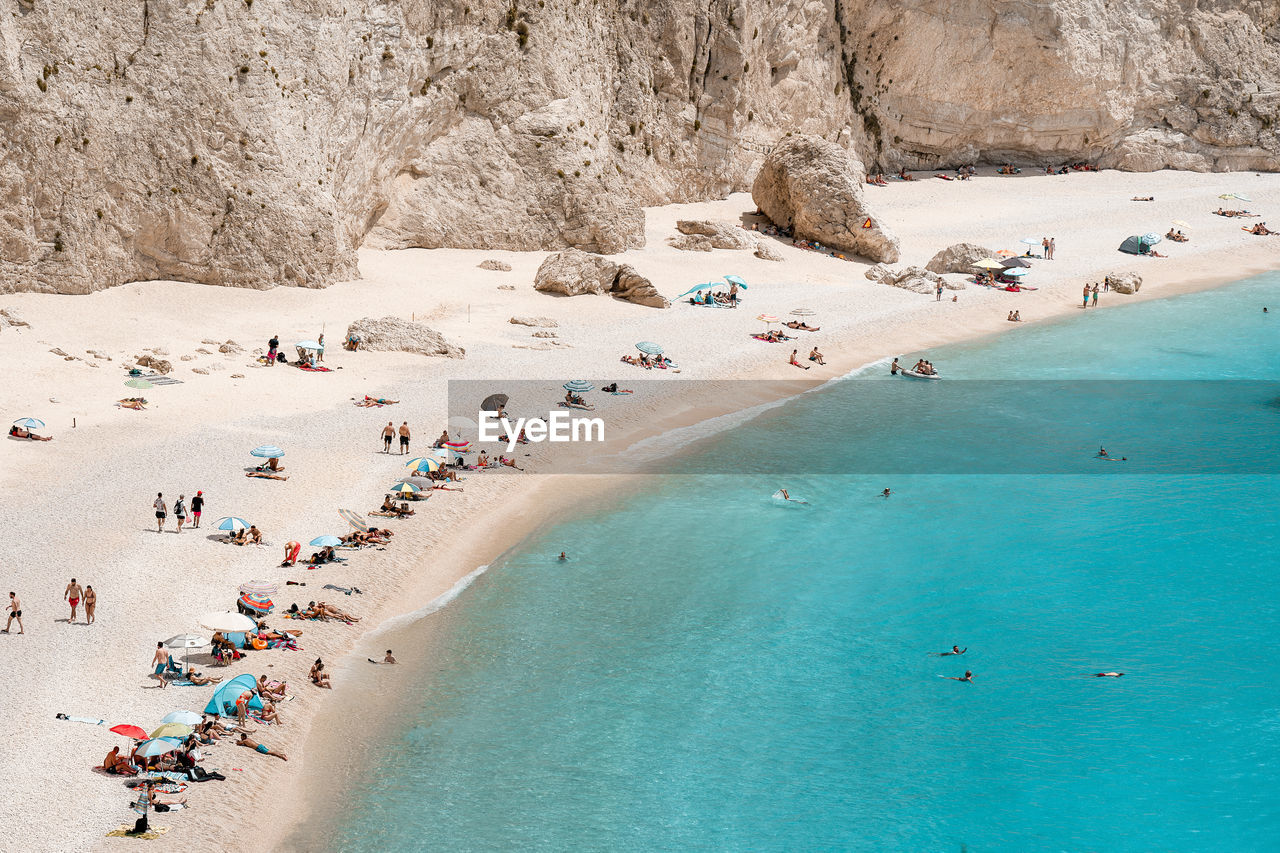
(29, 423)
(231, 523)
(267, 451)
(430, 464)
(155, 746)
(1152, 238)
(578, 386)
(649, 348)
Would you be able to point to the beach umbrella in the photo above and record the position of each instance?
(135, 732)
(425, 463)
(354, 519)
(1032, 241)
(1015, 272)
(768, 319)
(257, 602)
(804, 312)
(1005, 253)
(264, 587)
(459, 424)
(1015, 262)
(578, 386)
(695, 289)
(178, 730)
(267, 451)
(29, 423)
(457, 446)
(140, 384)
(1151, 239)
(326, 541)
(989, 264)
(185, 642)
(1181, 224)
(227, 621)
(155, 746)
(494, 402)
(649, 348)
(406, 488)
(312, 345)
(186, 718)
(231, 523)
(1241, 197)
(733, 279)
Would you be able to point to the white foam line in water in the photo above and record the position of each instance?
(664, 443)
(438, 603)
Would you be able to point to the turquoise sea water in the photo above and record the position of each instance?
(714, 670)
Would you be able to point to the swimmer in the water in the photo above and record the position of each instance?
(1107, 674)
(785, 496)
(968, 676)
(885, 493)
(955, 650)
(1102, 451)
(562, 556)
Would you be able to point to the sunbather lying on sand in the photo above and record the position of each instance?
(265, 476)
(328, 611)
(802, 325)
(510, 463)
(19, 432)
(136, 403)
(1143, 198)
(200, 680)
(374, 402)
(1260, 229)
(258, 747)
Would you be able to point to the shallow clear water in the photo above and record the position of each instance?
(713, 669)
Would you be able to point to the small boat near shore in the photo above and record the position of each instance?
(914, 375)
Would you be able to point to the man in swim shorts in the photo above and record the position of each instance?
(163, 661)
(404, 437)
(258, 747)
(197, 507)
(15, 612)
(73, 593)
(161, 512)
(390, 658)
(387, 432)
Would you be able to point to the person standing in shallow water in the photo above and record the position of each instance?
(1087, 291)
(1095, 296)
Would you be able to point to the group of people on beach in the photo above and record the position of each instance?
(389, 433)
(180, 511)
(814, 356)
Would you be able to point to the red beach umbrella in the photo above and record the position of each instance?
(130, 731)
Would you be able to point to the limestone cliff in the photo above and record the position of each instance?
(260, 142)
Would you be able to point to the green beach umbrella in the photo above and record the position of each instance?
(140, 384)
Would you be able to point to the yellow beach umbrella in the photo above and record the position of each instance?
(172, 730)
(989, 264)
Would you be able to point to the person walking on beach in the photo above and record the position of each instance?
(320, 349)
(72, 594)
(1044, 247)
(90, 604)
(15, 612)
(938, 293)
(404, 438)
(162, 662)
(1053, 246)
(1087, 291)
(387, 432)
(161, 512)
(197, 507)
(272, 346)
(180, 511)
(1095, 296)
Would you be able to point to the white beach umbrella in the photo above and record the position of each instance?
(227, 621)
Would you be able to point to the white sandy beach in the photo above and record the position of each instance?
(80, 505)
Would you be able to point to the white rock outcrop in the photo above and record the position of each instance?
(394, 334)
(718, 233)
(573, 272)
(912, 278)
(261, 143)
(814, 188)
(766, 250)
(496, 266)
(958, 257)
(1125, 282)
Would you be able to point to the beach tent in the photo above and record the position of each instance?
(224, 698)
(1134, 246)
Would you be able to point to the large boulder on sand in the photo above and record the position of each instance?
(495, 265)
(719, 233)
(573, 272)
(1125, 282)
(914, 279)
(814, 187)
(958, 257)
(394, 334)
(690, 243)
(159, 365)
(765, 250)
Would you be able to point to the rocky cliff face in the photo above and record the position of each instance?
(260, 142)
